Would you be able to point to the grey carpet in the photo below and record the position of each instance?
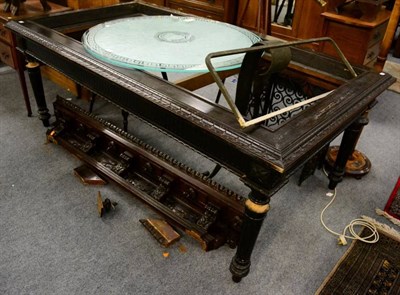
(53, 242)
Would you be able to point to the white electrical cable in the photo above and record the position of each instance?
(372, 238)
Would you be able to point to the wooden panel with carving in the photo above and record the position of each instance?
(206, 210)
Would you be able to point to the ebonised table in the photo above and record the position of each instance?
(263, 157)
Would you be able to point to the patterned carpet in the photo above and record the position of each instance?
(367, 268)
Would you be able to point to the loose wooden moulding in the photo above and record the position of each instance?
(207, 211)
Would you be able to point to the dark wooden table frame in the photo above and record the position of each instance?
(263, 158)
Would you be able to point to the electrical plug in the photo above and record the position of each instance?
(342, 240)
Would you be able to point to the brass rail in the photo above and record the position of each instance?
(264, 46)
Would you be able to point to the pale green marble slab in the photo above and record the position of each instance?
(166, 43)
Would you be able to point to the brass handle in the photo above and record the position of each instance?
(321, 2)
(370, 55)
(377, 36)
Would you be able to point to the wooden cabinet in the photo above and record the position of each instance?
(221, 10)
(29, 9)
(358, 31)
(358, 39)
(8, 53)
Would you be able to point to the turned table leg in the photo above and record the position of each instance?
(20, 62)
(35, 77)
(257, 206)
(346, 149)
(21, 76)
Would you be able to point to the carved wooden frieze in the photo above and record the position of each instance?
(205, 209)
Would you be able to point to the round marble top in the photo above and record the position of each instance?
(166, 43)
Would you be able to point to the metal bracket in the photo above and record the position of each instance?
(264, 47)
